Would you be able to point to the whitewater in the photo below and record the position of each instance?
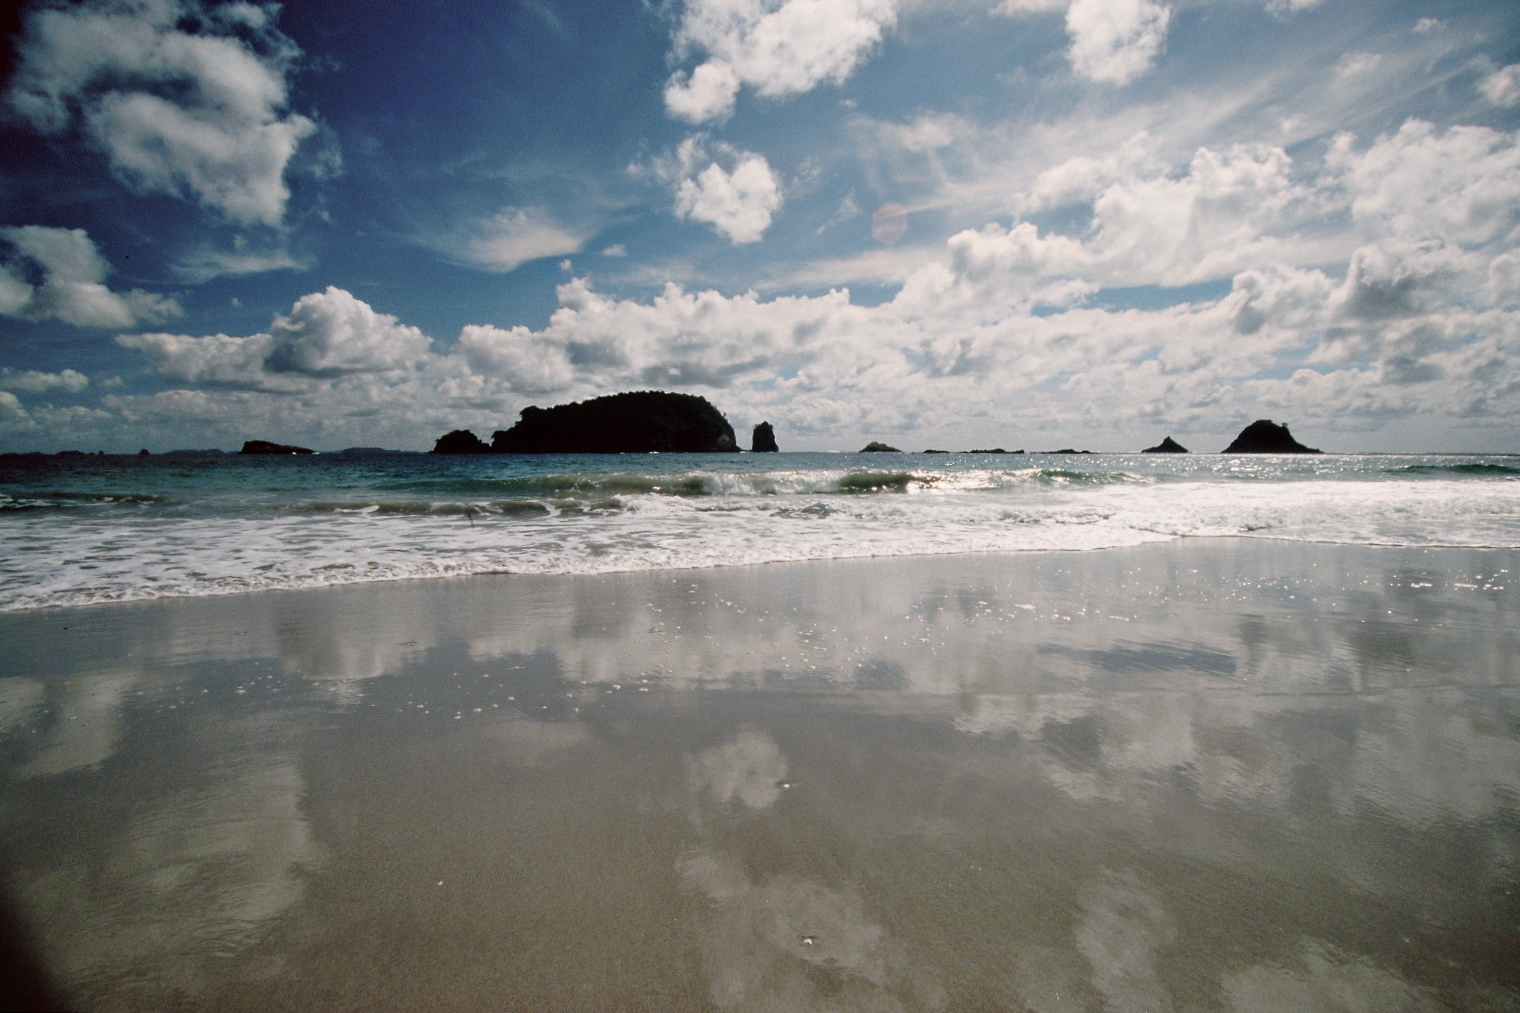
(81, 530)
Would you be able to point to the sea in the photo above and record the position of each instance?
(77, 530)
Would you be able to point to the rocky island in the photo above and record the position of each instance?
(763, 440)
(1166, 446)
(1266, 437)
(265, 447)
(638, 422)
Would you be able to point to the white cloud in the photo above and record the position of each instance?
(1461, 184)
(33, 382)
(208, 262)
(1381, 284)
(196, 113)
(70, 275)
(778, 48)
(737, 201)
(529, 363)
(1502, 87)
(326, 335)
(506, 241)
(1115, 41)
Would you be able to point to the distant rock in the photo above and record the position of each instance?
(878, 448)
(934, 451)
(1166, 446)
(265, 447)
(211, 452)
(632, 423)
(144, 452)
(763, 441)
(1067, 450)
(994, 450)
(365, 451)
(461, 441)
(1266, 437)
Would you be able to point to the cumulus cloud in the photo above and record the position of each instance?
(1376, 285)
(182, 98)
(1112, 41)
(326, 335)
(58, 274)
(1461, 184)
(778, 48)
(31, 381)
(1115, 41)
(736, 192)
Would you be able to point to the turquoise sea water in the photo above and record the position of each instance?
(87, 529)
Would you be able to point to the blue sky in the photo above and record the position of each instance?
(948, 223)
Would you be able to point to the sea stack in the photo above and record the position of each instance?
(1166, 446)
(763, 441)
(1267, 437)
(877, 448)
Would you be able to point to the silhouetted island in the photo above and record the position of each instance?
(1266, 437)
(461, 441)
(265, 447)
(763, 440)
(633, 423)
(877, 448)
(1166, 446)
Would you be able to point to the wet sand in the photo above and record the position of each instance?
(1203, 775)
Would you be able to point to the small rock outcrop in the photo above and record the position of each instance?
(763, 441)
(461, 441)
(265, 447)
(994, 450)
(1267, 437)
(878, 448)
(1066, 450)
(1166, 446)
(634, 423)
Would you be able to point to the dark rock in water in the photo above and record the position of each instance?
(265, 447)
(764, 440)
(934, 451)
(461, 441)
(878, 448)
(633, 423)
(1166, 446)
(1067, 450)
(365, 451)
(994, 450)
(144, 453)
(211, 452)
(1266, 437)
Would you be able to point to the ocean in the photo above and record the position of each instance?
(82, 530)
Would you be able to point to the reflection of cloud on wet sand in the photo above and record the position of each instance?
(749, 769)
(791, 942)
(87, 727)
(192, 880)
(1320, 980)
(1122, 927)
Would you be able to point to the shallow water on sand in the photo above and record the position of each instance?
(1241, 775)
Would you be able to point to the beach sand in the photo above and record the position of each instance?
(1198, 775)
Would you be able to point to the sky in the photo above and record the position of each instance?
(934, 223)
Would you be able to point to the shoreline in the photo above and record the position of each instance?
(1195, 540)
